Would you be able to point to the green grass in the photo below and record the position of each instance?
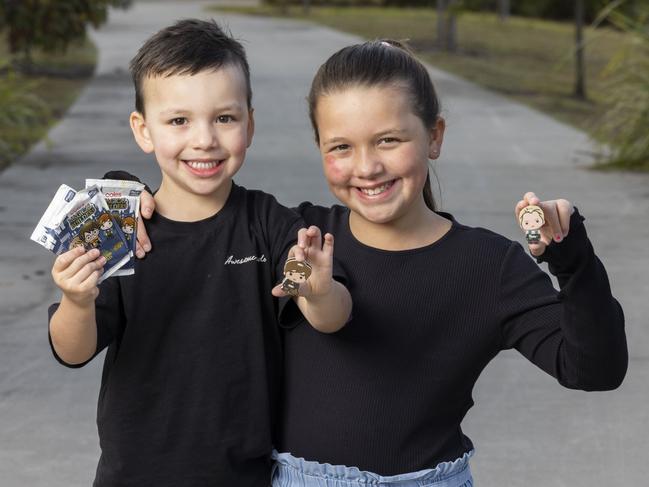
(530, 60)
(56, 80)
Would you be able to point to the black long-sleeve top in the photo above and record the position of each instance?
(388, 392)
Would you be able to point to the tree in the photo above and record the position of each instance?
(447, 24)
(580, 74)
(51, 25)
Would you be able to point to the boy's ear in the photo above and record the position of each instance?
(251, 126)
(436, 138)
(141, 132)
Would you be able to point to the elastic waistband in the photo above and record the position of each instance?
(446, 474)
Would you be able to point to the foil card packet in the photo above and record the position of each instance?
(85, 221)
(123, 199)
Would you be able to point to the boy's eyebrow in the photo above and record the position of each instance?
(223, 108)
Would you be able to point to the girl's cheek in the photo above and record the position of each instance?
(335, 170)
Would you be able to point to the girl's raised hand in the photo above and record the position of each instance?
(557, 220)
(311, 248)
(76, 273)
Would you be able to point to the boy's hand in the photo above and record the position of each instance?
(76, 273)
(319, 255)
(557, 220)
(147, 205)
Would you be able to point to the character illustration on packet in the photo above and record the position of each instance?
(85, 218)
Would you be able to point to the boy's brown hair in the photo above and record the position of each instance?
(187, 47)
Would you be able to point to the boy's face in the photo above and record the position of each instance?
(199, 127)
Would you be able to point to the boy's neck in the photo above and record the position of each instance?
(187, 207)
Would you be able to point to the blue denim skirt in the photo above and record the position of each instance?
(289, 471)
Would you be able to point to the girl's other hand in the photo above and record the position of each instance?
(77, 272)
(557, 220)
(147, 206)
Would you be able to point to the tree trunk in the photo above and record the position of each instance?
(306, 4)
(503, 9)
(580, 74)
(441, 24)
(451, 27)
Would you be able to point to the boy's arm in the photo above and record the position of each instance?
(324, 302)
(73, 330)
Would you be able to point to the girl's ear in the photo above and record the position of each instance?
(141, 132)
(436, 138)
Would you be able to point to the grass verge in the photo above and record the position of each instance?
(35, 97)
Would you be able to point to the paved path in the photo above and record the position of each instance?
(528, 430)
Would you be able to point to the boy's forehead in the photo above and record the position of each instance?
(228, 79)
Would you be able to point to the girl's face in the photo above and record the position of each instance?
(375, 151)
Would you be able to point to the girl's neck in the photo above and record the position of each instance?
(182, 206)
(412, 231)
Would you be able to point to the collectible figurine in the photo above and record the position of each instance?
(295, 273)
(531, 219)
(106, 225)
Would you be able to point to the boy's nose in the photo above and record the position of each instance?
(204, 137)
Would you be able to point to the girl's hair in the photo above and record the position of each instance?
(379, 62)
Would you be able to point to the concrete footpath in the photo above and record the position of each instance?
(527, 429)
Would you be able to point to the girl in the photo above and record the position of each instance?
(381, 401)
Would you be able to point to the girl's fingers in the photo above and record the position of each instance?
(278, 292)
(537, 248)
(552, 224)
(316, 237)
(531, 198)
(328, 246)
(565, 211)
(302, 238)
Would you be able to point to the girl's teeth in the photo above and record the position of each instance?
(375, 191)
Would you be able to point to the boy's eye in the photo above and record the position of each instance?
(340, 148)
(178, 121)
(225, 118)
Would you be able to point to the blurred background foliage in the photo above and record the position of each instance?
(45, 60)
(584, 62)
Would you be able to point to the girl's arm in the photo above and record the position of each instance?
(577, 335)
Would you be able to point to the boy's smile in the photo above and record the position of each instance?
(199, 127)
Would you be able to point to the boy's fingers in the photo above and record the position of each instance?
(91, 257)
(64, 260)
(90, 268)
(143, 244)
(147, 205)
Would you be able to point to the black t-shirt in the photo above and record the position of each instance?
(191, 377)
(388, 392)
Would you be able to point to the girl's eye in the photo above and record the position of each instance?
(387, 140)
(178, 121)
(225, 118)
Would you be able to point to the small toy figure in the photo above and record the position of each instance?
(106, 225)
(531, 219)
(295, 273)
(90, 234)
(128, 227)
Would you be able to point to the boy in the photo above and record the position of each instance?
(191, 375)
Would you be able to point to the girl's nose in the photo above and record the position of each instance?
(368, 164)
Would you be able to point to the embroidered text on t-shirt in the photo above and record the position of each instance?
(244, 260)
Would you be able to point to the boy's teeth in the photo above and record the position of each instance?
(375, 191)
(202, 165)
